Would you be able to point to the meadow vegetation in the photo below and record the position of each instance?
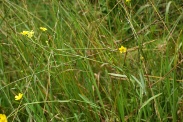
(91, 60)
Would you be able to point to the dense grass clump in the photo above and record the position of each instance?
(71, 69)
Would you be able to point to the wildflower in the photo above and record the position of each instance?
(30, 34)
(3, 118)
(122, 49)
(19, 96)
(43, 29)
(24, 33)
(128, 1)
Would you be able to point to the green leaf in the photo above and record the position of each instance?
(145, 103)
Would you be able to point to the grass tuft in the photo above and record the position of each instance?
(94, 61)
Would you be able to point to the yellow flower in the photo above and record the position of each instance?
(122, 49)
(3, 118)
(28, 33)
(19, 96)
(24, 32)
(43, 29)
(128, 1)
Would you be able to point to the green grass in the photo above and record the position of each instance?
(74, 70)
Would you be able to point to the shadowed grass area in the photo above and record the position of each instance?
(74, 70)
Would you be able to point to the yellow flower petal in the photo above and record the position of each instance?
(128, 1)
(24, 32)
(43, 29)
(19, 96)
(122, 49)
(30, 34)
(3, 118)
